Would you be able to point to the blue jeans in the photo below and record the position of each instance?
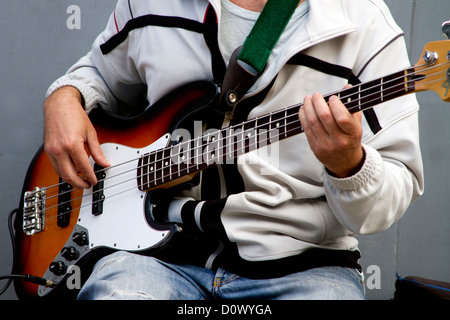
(123, 275)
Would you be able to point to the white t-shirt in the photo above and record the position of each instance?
(236, 24)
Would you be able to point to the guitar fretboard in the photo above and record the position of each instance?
(225, 145)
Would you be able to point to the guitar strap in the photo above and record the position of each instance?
(248, 61)
(338, 71)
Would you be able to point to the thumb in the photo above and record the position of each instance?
(96, 151)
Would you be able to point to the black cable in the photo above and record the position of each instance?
(26, 277)
(12, 276)
(30, 278)
(11, 234)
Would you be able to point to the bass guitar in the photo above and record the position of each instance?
(59, 227)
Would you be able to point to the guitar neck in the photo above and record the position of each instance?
(225, 145)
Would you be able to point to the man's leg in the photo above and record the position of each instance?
(325, 283)
(123, 275)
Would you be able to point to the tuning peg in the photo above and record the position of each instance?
(446, 28)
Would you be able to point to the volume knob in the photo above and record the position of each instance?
(70, 253)
(80, 238)
(58, 268)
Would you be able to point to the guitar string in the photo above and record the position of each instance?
(202, 137)
(249, 146)
(122, 191)
(337, 92)
(201, 145)
(277, 120)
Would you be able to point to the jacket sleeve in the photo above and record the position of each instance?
(100, 79)
(392, 175)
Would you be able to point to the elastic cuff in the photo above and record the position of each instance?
(362, 177)
(174, 211)
(203, 216)
(87, 93)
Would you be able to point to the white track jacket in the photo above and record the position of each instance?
(289, 205)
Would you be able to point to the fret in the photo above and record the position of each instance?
(144, 173)
(285, 123)
(190, 157)
(195, 155)
(411, 79)
(292, 122)
(406, 81)
(240, 140)
(382, 89)
(221, 155)
(179, 159)
(359, 98)
(394, 85)
(139, 174)
(158, 167)
(184, 159)
(217, 143)
(250, 136)
(170, 163)
(152, 169)
(262, 131)
(274, 127)
(165, 165)
(372, 94)
(229, 146)
(214, 148)
(198, 155)
(350, 97)
(206, 150)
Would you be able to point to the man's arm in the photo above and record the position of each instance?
(68, 137)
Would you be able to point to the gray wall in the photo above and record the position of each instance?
(37, 47)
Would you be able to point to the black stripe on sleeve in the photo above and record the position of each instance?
(338, 71)
(153, 20)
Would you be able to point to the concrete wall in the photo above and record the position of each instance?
(38, 44)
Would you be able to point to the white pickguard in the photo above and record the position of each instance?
(122, 225)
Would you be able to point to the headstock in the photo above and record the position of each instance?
(432, 71)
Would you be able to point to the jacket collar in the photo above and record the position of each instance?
(327, 19)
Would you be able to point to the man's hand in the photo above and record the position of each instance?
(68, 135)
(334, 134)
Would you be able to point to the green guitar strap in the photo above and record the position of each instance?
(266, 32)
(249, 61)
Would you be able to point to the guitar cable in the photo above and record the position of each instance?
(26, 277)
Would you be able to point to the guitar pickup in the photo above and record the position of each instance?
(98, 196)
(64, 206)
